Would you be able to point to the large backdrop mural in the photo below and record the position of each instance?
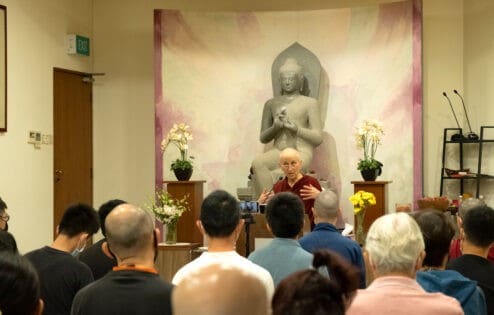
(216, 70)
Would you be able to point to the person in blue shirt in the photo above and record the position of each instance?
(283, 255)
(438, 230)
(326, 236)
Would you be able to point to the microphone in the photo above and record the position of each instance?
(456, 136)
(470, 135)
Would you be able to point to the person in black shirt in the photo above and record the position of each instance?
(97, 257)
(134, 286)
(477, 236)
(61, 275)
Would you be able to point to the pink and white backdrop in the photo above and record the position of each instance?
(213, 72)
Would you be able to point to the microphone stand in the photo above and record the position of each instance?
(470, 135)
(456, 136)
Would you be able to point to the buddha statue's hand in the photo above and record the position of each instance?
(290, 126)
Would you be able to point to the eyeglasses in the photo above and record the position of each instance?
(5, 218)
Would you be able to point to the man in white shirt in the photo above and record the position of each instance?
(220, 222)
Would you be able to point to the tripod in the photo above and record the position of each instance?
(248, 220)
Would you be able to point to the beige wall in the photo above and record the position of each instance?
(442, 71)
(479, 81)
(36, 32)
(121, 34)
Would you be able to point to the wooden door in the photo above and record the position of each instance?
(72, 140)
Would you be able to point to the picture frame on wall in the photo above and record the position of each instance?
(3, 68)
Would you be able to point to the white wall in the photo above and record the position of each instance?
(121, 34)
(35, 32)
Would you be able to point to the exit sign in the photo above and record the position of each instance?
(77, 44)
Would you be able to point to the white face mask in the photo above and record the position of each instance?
(76, 252)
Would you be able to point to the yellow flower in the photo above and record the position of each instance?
(361, 200)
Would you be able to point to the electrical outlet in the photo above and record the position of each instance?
(34, 137)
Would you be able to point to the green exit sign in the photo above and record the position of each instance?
(77, 44)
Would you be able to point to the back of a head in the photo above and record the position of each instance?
(437, 231)
(19, 285)
(220, 214)
(220, 290)
(326, 204)
(8, 243)
(129, 230)
(468, 204)
(79, 218)
(478, 226)
(307, 292)
(3, 206)
(394, 243)
(105, 209)
(285, 215)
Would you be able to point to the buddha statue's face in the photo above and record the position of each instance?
(290, 82)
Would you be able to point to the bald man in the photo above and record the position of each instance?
(295, 182)
(133, 287)
(220, 290)
(326, 236)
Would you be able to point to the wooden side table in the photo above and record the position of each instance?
(193, 189)
(379, 189)
(173, 257)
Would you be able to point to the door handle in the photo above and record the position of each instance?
(58, 175)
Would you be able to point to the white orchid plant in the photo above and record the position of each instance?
(179, 135)
(167, 209)
(368, 138)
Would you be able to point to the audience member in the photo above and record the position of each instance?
(219, 289)
(61, 274)
(283, 255)
(438, 231)
(326, 236)
(8, 243)
(134, 286)
(97, 256)
(308, 292)
(304, 186)
(4, 216)
(19, 286)
(477, 236)
(396, 249)
(220, 223)
(465, 206)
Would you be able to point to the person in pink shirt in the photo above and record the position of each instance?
(395, 249)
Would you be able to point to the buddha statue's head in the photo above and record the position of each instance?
(291, 77)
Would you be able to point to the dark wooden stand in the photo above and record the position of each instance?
(193, 189)
(379, 189)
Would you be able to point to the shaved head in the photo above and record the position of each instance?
(326, 205)
(220, 290)
(290, 153)
(129, 230)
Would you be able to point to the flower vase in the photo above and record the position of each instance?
(359, 232)
(370, 175)
(182, 174)
(171, 233)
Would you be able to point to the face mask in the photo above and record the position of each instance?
(76, 252)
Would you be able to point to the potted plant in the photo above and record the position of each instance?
(368, 138)
(179, 135)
